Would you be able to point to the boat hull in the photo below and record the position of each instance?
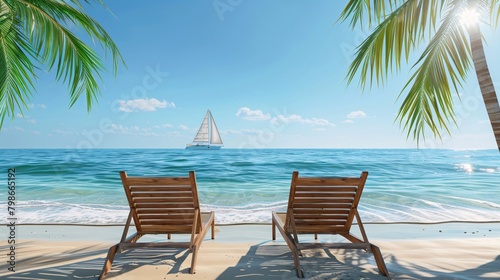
(203, 147)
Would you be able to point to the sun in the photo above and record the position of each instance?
(469, 17)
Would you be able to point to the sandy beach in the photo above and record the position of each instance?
(411, 251)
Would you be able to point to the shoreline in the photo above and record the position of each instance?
(465, 250)
(261, 230)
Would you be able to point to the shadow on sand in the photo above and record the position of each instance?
(270, 261)
(267, 260)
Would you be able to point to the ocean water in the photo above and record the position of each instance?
(59, 186)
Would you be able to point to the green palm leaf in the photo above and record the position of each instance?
(399, 33)
(36, 32)
(443, 67)
(401, 28)
(16, 69)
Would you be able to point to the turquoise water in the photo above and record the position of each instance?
(244, 185)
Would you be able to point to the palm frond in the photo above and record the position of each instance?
(17, 69)
(393, 40)
(37, 31)
(77, 64)
(373, 11)
(443, 67)
(97, 33)
(494, 11)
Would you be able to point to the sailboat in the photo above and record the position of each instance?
(208, 136)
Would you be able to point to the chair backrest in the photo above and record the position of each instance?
(323, 205)
(163, 204)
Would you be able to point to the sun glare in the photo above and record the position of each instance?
(469, 17)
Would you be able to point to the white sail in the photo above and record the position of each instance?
(208, 135)
(214, 134)
(202, 135)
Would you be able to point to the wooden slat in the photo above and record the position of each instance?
(323, 200)
(160, 205)
(320, 229)
(320, 206)
(320, 216)
(166, 229)
(167, 222)
(324, 194)
(157, 188)
(327, 188)
(164, 211)
(305, 181)
(312, 222)
(158, 181)
(166, 216)
(163, 200)
(162, 194)
(322, 211)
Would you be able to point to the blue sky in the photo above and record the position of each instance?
(271, 73)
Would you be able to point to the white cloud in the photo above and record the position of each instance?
(26, 118)
(167, 125)
(248, 114)
(244, 132)
(356, 115)
(64, 132)
(120, 129)
(298, 119)
(252, 115)
(183, 127)
(141, 104)
(19, 128)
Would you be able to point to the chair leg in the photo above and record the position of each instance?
(273, 225)
(194, 255)
(382, 268)
(213, 229)
(291, 244)
(109, 261)
(296, 263)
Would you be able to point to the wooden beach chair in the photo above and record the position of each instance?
(324, 206)
(162, 205)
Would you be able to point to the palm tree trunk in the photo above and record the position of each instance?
(484, 79)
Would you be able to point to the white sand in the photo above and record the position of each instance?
(411, 251)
